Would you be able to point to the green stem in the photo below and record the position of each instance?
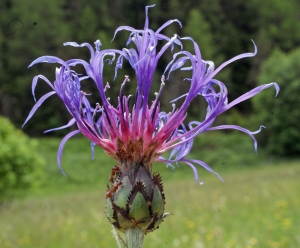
(118, 239)
(135, 238)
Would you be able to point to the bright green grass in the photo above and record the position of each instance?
(256, 206)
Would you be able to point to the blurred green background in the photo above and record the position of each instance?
(256, 206)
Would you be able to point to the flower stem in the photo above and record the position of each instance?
(118, 239)
(135, 238)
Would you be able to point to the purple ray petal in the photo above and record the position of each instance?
(37, 105)
(106, 125)
(61, 148)
(48, 59)
(34, 83)
(252, 93)
(70, 123)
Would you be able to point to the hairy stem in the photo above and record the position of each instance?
(118, 239)
(135, 238)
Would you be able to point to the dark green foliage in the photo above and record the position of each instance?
(281, 115)
(279, 20)
(20, 165)
(199, 29)
(30, 29)
(270, 23)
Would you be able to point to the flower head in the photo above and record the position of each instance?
(137, 135)
(143, 132)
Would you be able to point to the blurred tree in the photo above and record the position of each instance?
(199, 29)
(281, 116)
(29, 30)
(234, 23)
(233, 26)
(280, 22)
(21, 168)
(276, 27)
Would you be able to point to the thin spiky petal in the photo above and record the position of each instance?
(143, 131)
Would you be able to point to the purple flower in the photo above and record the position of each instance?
(143, 132)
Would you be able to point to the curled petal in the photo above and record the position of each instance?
(37, 105)
(142, 125)
(70, 123)
(239, 129)
(252, 93)
(34, 83)
(61, 148)
(48, 59)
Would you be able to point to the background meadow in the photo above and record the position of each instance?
(257, 205)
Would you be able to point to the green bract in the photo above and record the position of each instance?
(136, 199)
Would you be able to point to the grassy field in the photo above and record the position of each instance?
(256, 206)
